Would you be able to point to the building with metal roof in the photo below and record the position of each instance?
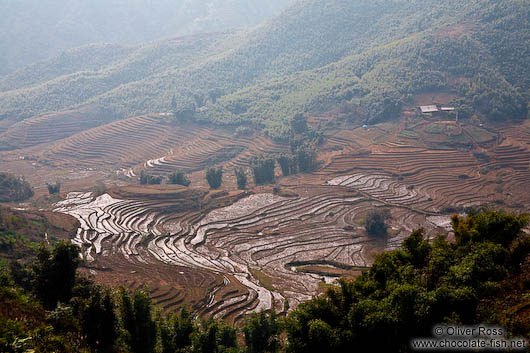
(428, 109)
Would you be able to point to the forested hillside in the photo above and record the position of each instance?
(370, 56)
(35, 30)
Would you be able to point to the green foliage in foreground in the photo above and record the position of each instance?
(408, 291)
(482, 276)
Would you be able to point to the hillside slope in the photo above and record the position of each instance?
(33, 30)
(480, 61)
(373, 56)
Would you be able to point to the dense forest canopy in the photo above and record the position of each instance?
(371, 56)
(33, 30)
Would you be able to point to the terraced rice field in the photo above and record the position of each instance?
(440, 178)
(256, 250)
(262, 232)
(51, 127)
(154, 144)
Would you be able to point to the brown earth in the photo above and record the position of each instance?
(224, 252)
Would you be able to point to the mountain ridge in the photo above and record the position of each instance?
(376, 69)
(33, 31)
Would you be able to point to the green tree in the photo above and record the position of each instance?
(241, 177)
(55, 273)
(299, 124)
(14, 188)
(137, 321)
(148, 179)
(374, 222)
(321, 337)
(288, 164)
(54, 188)
(145, 338)
(214, 337)
(214, 177)
(176, 332)
(205, 340)
(261, 332)
(178, 178)
(263, 169)
(306, 156)
(99, 322)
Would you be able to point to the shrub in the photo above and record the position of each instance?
(54, 188)
(374, 222)
(243, 131)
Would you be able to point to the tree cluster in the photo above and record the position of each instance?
(263, 169)
(13, 188)
(178, 178)
(214, 177)
(148, 179)
(375, 221)
(241, 177)
(54, 189)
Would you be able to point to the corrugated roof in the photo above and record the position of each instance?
(428, 108)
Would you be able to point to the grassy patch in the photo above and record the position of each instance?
(386, 127)
(323, 286)
(265, 280)
(435, 128)
(380, 138)
(408, 134)
(479, 134)
(460, 139)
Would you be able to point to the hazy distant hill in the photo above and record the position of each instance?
(32, 30)
(373, 56)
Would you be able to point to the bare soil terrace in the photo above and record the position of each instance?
(226, 253)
